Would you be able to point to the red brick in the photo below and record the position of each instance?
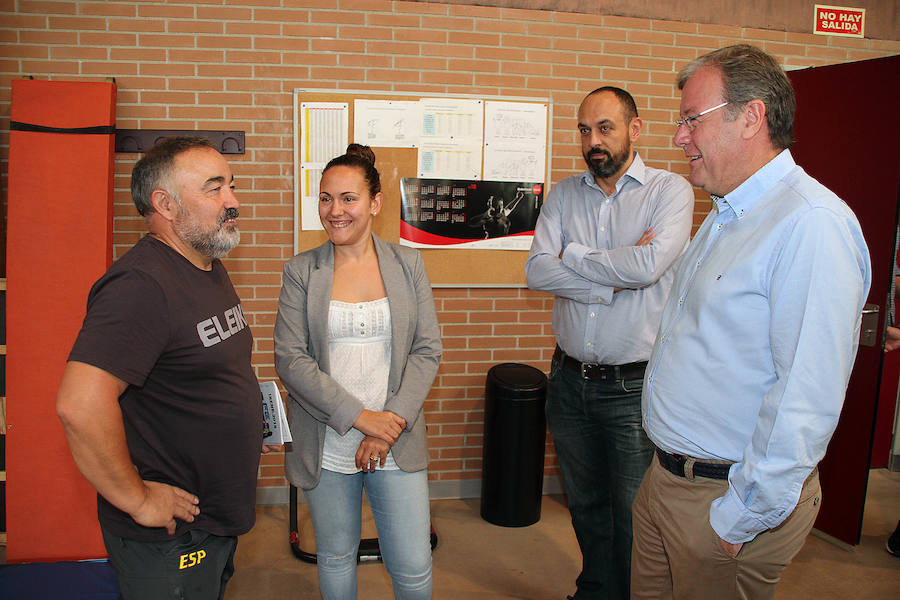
(475, 39)
(420, 35)
(452, 23)
(625, 22)
(447, 78)
(40, 51)
(252, 57)
(45, 37)
(418, 62)
(365, 33)
(393, 48)
(48, 8)
(553, 30)
(393, 20)
(722, 31)
(527, 41)
(280, 15)
(230, 13)
(493, 342)
(447, 50)
(705, 43)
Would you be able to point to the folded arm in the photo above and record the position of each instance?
(544, 269)
(639, 264)
(575, 271)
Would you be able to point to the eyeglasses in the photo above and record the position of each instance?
(690, 122)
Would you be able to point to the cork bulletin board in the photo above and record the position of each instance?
(446, 267)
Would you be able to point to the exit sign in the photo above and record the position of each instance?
(840, 20)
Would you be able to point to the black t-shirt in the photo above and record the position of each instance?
(192, 410)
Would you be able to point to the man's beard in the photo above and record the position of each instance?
(215, 243)
(611, 165)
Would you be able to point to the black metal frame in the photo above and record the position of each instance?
(368, 547)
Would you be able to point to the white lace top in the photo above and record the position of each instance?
(359, 351)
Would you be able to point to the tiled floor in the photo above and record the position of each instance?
(477, 560)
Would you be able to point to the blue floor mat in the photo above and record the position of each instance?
(81, 580)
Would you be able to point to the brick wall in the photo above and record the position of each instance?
(232, 64)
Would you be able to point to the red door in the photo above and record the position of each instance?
(847, 127)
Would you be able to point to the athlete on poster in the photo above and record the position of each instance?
(444, 213)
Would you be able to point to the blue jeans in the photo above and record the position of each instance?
(399, 503)
(603, 453)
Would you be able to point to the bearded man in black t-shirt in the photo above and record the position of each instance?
(159, 402)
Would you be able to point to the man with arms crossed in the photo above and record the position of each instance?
(757, 340)
(603, 246)
(159, 402)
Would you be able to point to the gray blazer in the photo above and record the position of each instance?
(301, 356)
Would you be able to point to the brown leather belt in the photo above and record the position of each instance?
(595, 372)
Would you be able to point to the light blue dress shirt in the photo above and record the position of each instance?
(757, 342)
(597, 233)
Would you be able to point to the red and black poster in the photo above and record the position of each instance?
(447, 214)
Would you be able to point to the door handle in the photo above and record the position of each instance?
(869, 328)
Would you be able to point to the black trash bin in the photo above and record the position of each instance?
(512, 475)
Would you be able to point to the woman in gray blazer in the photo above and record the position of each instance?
(357, 346)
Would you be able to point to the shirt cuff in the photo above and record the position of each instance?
(732, 521)
(573, 255)
(573, 258)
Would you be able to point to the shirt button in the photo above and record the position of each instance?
(593, 314)
(603, 229)
(719, 226)
(680, 301)
(589, 344)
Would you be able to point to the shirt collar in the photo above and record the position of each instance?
(745, 196)
(636, 171)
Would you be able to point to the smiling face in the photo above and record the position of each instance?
(714, 146)
(203, 187)
(346, 207)
(606, 139)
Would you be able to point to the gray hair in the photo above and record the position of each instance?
(153, 170)
(749, 73)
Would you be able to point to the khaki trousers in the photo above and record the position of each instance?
(676, 554)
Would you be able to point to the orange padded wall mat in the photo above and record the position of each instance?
(59, 241)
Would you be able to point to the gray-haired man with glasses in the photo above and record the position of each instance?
(748, 373)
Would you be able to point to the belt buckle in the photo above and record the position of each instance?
(590, 371)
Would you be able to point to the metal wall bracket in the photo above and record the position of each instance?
(141, 140)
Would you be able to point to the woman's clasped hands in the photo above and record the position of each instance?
(382, 428)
